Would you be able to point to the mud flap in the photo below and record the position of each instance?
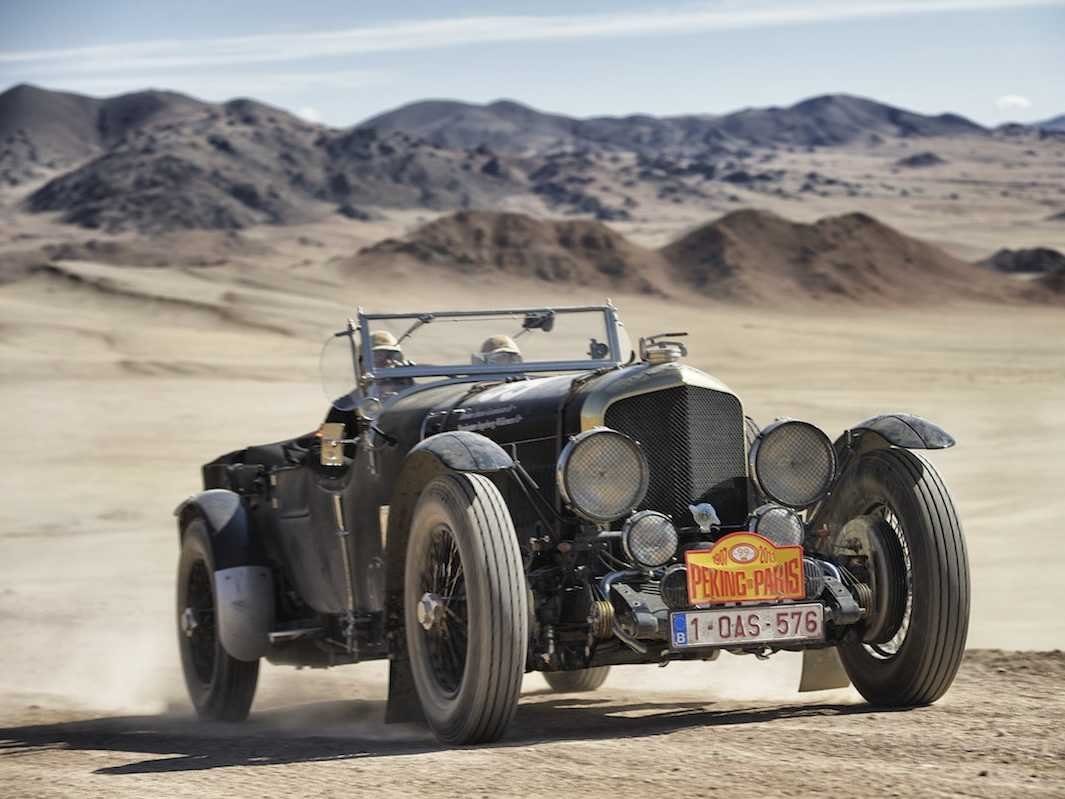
(244, 599)
(822, 670)
(403, 707)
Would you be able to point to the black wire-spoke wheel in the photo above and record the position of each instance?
(892, 510)
(442, 610)
(465, 609)
(197, 621)
(220, 686)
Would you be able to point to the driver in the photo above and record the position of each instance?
(498, 351)
(387, 353)
(386, 350)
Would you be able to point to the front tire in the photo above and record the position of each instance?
(465, 609)
(220, 686)
(914, 638)
(577, 682)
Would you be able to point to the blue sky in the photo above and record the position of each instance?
(992, 60)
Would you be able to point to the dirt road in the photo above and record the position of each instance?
(109, 410)
(998, 733)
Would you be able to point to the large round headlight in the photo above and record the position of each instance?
(780, 525)
(793, 463)
(649, 538)
(602, 474)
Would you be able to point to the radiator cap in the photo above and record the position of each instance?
(664, 352)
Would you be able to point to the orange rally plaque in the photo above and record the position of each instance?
(744, 567)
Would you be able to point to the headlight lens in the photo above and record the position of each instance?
(793, 463)
(649, 538)
(602, 474)
(674, 586)
(780, 525)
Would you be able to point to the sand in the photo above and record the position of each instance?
(118, 382)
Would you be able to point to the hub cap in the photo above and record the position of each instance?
(189, 622)
(431, 611)
(878, 536)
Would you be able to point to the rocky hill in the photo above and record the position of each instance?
(504, 125)
(569, 252)
(753, 254)
(1033, 260)
(1053, 125)
(46, 130)
(245, 163)
(748, 256)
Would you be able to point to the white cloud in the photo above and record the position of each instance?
(438, 33)
(1009, 103)
(310, 114)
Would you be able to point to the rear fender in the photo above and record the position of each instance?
(243, 583)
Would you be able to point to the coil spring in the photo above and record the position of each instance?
(864, 594)
(601, 619)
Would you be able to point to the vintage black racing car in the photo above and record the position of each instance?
(498, 492)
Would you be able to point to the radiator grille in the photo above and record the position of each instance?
(693, 438)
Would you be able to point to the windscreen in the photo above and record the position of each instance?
(492, 339)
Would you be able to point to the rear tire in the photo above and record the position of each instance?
(465, 609)
(914, 659)
(576, 682)
(220, 686)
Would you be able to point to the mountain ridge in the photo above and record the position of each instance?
(824, 120)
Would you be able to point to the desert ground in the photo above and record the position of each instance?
(119, 381)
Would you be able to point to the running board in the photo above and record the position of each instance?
(284, 636)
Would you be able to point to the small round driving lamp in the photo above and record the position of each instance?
(793, 463)
(649, 539)
(602, 474)
(369, 409)
(780, 525)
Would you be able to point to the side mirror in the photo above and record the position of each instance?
(331, 435)
(539, 320)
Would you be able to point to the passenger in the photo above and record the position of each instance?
(498, 351)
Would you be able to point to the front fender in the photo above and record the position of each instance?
(243, 583)
(898, 430)
(463, 451)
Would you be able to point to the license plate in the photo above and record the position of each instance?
(741, 626)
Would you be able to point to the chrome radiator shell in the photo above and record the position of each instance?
(691, 427)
